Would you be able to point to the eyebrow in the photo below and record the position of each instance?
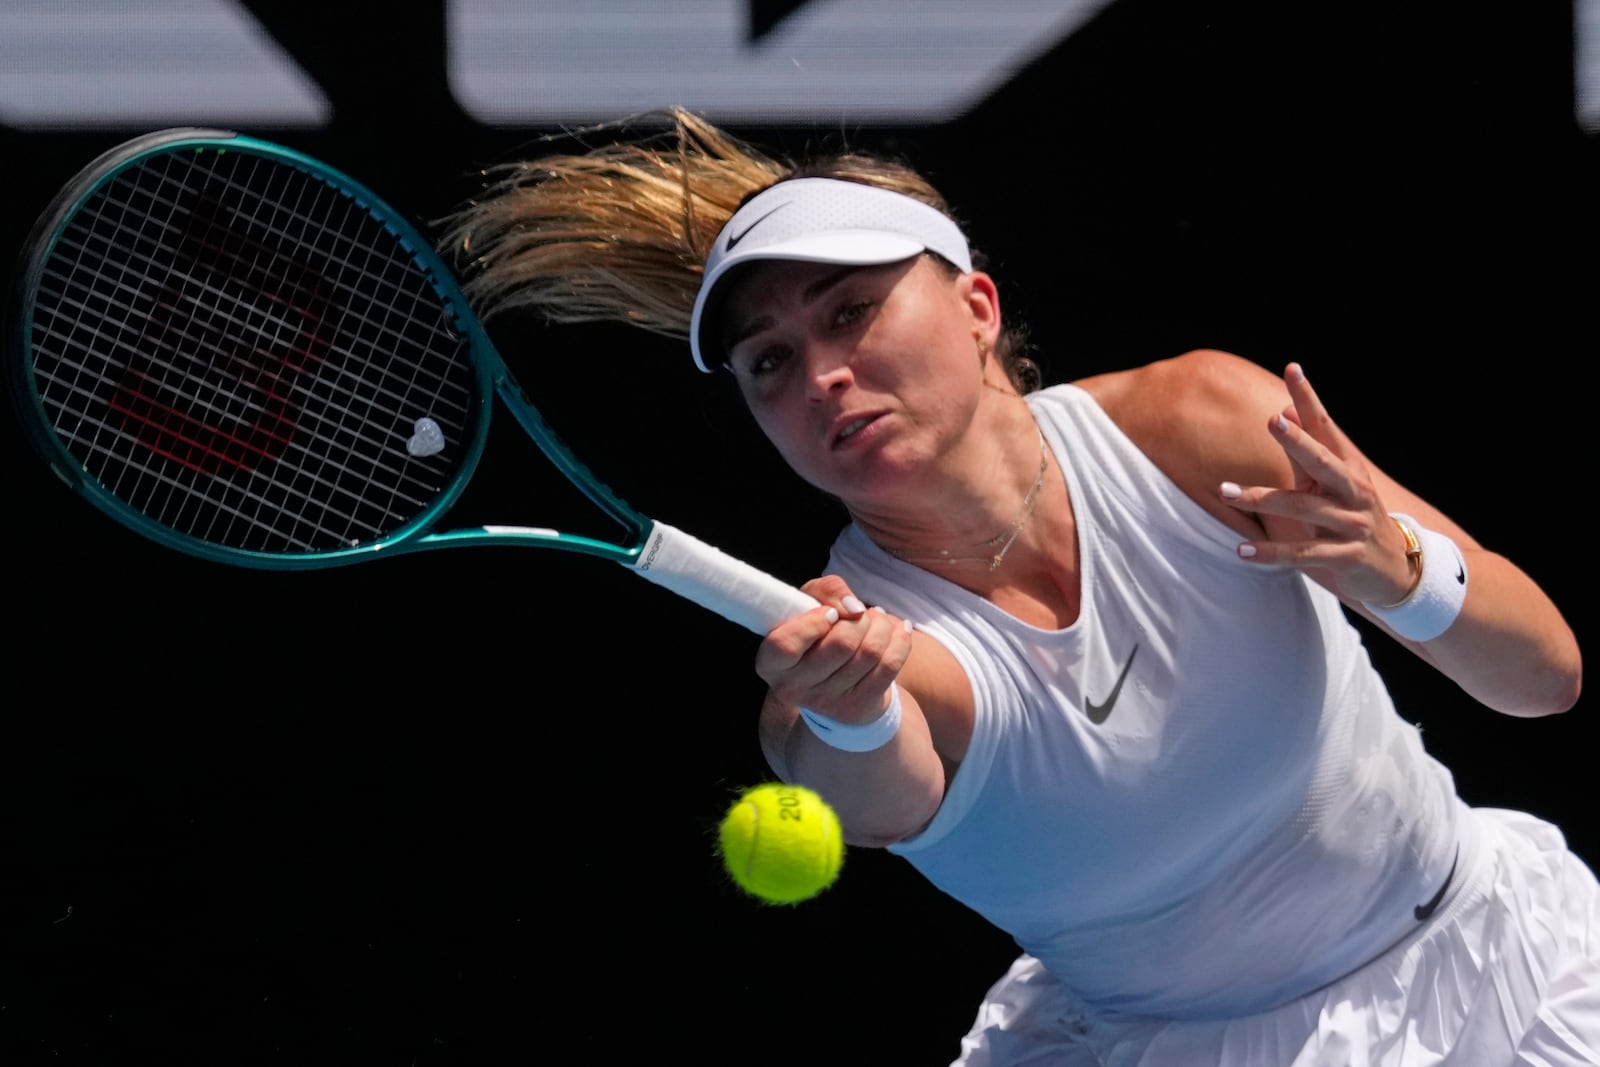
(808, 295)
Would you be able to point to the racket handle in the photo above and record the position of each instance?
(713, 579)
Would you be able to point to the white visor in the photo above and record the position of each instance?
(820, 220)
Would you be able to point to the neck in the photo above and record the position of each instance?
(969, 512)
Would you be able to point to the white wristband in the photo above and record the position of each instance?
(1440, 590)
(865, 738)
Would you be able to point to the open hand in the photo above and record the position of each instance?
(1331, 522)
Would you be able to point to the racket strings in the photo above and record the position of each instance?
(240, 350)
(250, 383)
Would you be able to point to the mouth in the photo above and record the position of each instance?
(851, 428)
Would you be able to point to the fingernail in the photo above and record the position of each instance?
(832, 615)
(1297, 373)
(853, 606)
(1231, 490)
(907, 624)
(1283, 424)
(1247, 551)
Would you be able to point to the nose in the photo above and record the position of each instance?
(828, 370)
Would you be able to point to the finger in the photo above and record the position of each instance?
(1275, 427)
(789, 642)
(1309, 509)
(848, 672)
(835, 591)
(882, 652)
(1310, 412)
(1313, 459)
(1302, 555)
(858, 687)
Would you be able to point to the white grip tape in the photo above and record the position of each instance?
(713, 579)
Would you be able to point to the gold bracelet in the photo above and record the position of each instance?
(1413, 561)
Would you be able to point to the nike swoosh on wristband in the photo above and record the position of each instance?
(1424, 911)
(1098, 713)
(735, 238)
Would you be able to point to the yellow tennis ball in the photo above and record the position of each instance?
(782, 843)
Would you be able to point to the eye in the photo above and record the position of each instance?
(760, 362)
(852, 313)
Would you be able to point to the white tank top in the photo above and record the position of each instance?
(1198, 799)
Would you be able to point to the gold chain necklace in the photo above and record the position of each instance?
(1005, 538)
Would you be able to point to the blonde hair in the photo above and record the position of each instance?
(619, 232)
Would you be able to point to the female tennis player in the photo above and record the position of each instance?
(1085, 656)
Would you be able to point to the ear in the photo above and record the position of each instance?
(982, 301)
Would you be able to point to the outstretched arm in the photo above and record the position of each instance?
(1509, 647)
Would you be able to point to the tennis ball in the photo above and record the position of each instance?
(782, 843)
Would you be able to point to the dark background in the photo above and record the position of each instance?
(459, 808)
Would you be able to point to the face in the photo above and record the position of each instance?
(861, 376)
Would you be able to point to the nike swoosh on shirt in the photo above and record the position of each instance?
(1098, 713)
(735, 238)
(1424, 911)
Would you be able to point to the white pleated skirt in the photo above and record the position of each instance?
(1506, 974)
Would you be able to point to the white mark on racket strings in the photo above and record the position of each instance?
(427, 438)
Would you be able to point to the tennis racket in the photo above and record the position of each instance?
(235, 350)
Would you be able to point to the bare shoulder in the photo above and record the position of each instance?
(1185, 391)
(1202, 418)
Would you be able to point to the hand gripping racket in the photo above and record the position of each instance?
(243, 354)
